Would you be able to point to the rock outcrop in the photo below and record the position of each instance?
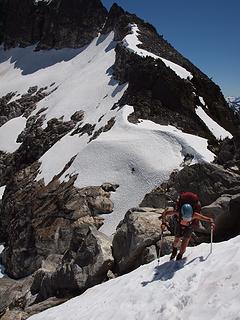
(85, 264)
(136, 240)
(39, 220)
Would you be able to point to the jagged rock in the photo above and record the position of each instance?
(77, 116)
(15, 295)
(16, 300)
(55, 24)
(84, 264)
(134, 238)
(106, 128)
(21, 106)
(109, 187)
(35, 141)
(43, 218)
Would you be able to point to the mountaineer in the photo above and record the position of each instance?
(187, 216)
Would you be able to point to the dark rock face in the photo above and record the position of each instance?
(57, 24)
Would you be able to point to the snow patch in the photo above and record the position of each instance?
(9, 133)
(219, 132)
(2, 189)
(131, 42)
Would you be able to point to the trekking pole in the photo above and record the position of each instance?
(160, 247)
(211, 239)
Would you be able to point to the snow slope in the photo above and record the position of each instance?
(219, 132)
(138, 157)
(201, 287)
(131, 42)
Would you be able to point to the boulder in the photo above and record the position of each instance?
(218, 207)
(228, 224)
(85, 264)
(136, 237)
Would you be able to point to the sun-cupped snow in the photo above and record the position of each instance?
(219, 132)
(138, 157)
(9, 133)
(195, 288)
(131, 42)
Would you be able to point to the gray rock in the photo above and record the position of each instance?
(134, 239)
(218, 207)
(84, 265)
(228, 224)
(43, 218)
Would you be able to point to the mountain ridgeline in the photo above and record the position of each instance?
(155, 91)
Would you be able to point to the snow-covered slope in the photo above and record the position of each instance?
(138, 157)
(201, 287)
(219, 132)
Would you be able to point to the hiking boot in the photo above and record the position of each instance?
(174, 253)
(179, 256)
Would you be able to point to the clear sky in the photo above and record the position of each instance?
(207, 32)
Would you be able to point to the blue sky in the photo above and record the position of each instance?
(207, 32)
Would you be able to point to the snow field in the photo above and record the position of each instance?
(9, 133)
(201, 287)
